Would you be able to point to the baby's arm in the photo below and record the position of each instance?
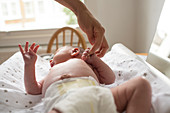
(30, 57)
(103, 71)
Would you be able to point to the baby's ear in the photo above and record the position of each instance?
(75, 52)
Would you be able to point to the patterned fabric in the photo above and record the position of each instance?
(14, 99)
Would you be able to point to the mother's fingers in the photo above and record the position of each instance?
(90, 37)
(102, 52)
(20, 47)
(26, 47)
(103, 49)
(98, 36)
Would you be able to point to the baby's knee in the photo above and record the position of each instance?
(143, 84)
(54, 111)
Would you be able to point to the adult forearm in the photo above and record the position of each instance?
(31, 85)
(75, 5)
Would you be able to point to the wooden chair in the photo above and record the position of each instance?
(74, 34)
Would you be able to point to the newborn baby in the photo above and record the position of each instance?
(72, 85)
(69, 62)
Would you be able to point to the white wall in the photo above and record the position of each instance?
(117, 17)
(131, 22)
(147, 16)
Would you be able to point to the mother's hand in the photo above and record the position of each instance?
(89, 25)
(94, 31)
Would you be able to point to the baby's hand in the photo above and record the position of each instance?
(87, 57)
(29, 56)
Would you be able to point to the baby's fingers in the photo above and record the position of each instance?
(87, 50)
(26, 47)
(36, 48)
(21, 50)
(32, 52)
(85, 54)
(32, 46)
(83, 57)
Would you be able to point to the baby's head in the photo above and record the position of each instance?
(65, 53)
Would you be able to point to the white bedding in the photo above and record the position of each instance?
(14, 99)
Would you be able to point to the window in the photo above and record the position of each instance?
(161, 42)
(31, 20)
(4, 9)
(10, 10)
(41, 7)
(28, 9)
(33, 14)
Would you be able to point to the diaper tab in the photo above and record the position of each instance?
(73, 85)
(63, 86)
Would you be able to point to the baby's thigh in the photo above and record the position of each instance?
(123, 93)
(54, 111)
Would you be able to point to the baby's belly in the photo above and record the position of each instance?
(69, 69)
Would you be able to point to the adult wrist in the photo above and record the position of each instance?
(79, 8)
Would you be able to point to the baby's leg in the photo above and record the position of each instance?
(54, 111)
(134, 96)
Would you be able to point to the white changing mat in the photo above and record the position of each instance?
(14, 99)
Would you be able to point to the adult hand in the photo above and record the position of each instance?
(86, 21)
(29, 56)
(94, 31)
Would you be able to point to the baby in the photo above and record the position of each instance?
(72, 85)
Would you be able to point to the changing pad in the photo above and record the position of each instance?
(14, 99)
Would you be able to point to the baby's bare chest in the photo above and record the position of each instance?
(71, 67)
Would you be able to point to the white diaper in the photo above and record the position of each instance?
(79, 95)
